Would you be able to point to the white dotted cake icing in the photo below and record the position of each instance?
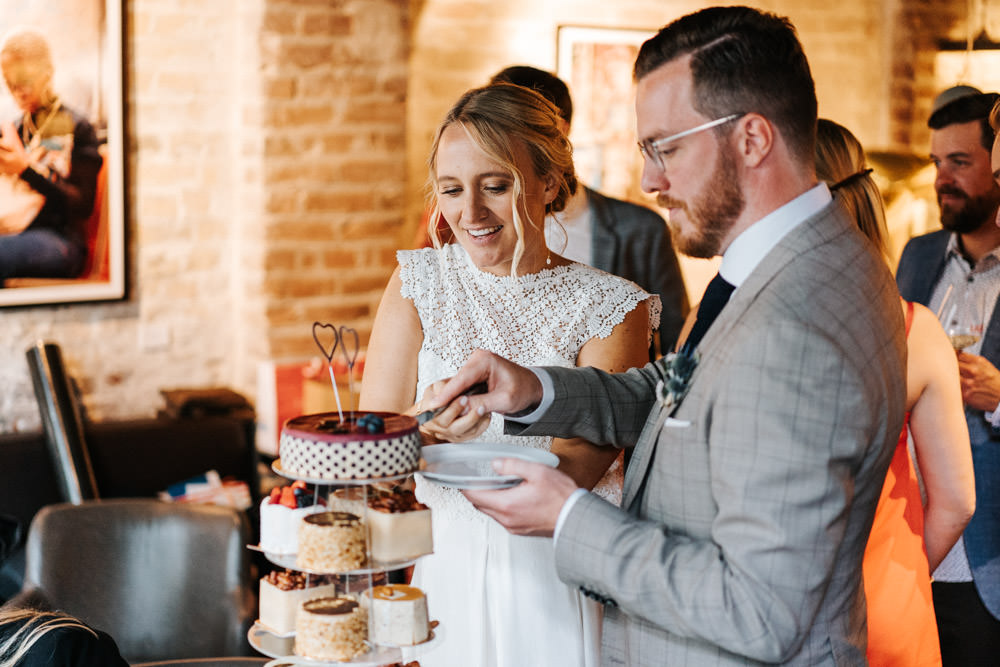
(317, 447)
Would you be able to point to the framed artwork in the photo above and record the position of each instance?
(596, 64)
(77, 164)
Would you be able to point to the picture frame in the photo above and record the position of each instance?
(85, 39)
(596, 63)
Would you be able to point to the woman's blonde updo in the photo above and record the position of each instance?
(498, 117)
(840, 162)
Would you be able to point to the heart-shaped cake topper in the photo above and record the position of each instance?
(318, 331)
(349, 345)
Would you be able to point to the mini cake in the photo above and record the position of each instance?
(331, 628)
(399, 526)
(280, 516)
(281, 594)
(370, 446)
(399, 615)
(331, 542)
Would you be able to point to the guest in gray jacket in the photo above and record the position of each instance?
(611, 234)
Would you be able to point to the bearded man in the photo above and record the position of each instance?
(956, 272)
(759, 451)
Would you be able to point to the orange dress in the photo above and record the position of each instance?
(902, 629)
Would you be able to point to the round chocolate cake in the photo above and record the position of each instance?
(362, 446)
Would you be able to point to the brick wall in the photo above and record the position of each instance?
(266, 191)
(277, 157)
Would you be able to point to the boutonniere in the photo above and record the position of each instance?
(677, 370)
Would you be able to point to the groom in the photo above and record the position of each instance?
(749, 500)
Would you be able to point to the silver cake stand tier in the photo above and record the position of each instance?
(281, 649)
(321, 481)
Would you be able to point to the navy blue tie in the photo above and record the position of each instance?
(716, 296)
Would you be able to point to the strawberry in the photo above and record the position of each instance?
(275, 495)
(288, 497)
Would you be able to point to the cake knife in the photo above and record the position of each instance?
(427, 415)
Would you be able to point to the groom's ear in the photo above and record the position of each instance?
(755, 138)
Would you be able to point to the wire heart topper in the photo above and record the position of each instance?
(319, 335)
(349, 345)
(347, 340)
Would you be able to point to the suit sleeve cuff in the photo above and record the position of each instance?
(564, 512)
(548, 391)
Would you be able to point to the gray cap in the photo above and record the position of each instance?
(952, 94)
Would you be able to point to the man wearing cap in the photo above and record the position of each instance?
(956, 272)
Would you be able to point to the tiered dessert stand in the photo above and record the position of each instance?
(280, 647)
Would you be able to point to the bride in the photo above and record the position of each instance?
(498, 165)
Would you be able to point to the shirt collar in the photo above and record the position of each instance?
(749, 248)
(954, 251)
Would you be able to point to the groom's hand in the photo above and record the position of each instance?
(510, 388)
(533, 506)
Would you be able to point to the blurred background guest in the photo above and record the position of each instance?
(614, 235)
(956, 273)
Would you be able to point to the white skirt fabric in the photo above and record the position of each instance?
(500, 602)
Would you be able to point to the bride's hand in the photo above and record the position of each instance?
(455, 423)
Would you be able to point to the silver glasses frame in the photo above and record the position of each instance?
(652, 148)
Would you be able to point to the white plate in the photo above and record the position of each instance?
(470, 466)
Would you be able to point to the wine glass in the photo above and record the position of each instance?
(962, 321)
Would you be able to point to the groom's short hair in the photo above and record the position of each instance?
(743, 60)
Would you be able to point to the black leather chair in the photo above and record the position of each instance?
(167, 581)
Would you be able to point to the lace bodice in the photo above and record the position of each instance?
(541, 319)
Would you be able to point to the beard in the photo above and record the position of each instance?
(712, 213)
(972, 214)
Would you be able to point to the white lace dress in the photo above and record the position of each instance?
(498, 596)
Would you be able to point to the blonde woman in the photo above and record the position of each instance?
(908, 538)
(31, 638)
(499, 163)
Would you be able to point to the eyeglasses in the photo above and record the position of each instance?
(652, 149)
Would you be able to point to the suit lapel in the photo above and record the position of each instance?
(812, 232)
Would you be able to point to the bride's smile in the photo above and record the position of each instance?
(477, 196)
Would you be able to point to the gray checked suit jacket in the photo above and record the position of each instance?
(747, 510)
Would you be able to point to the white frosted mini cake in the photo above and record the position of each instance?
(400, 527)
(281, 594)
(399, 615)
(280, 516)
(331, 628)
(366, 446)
